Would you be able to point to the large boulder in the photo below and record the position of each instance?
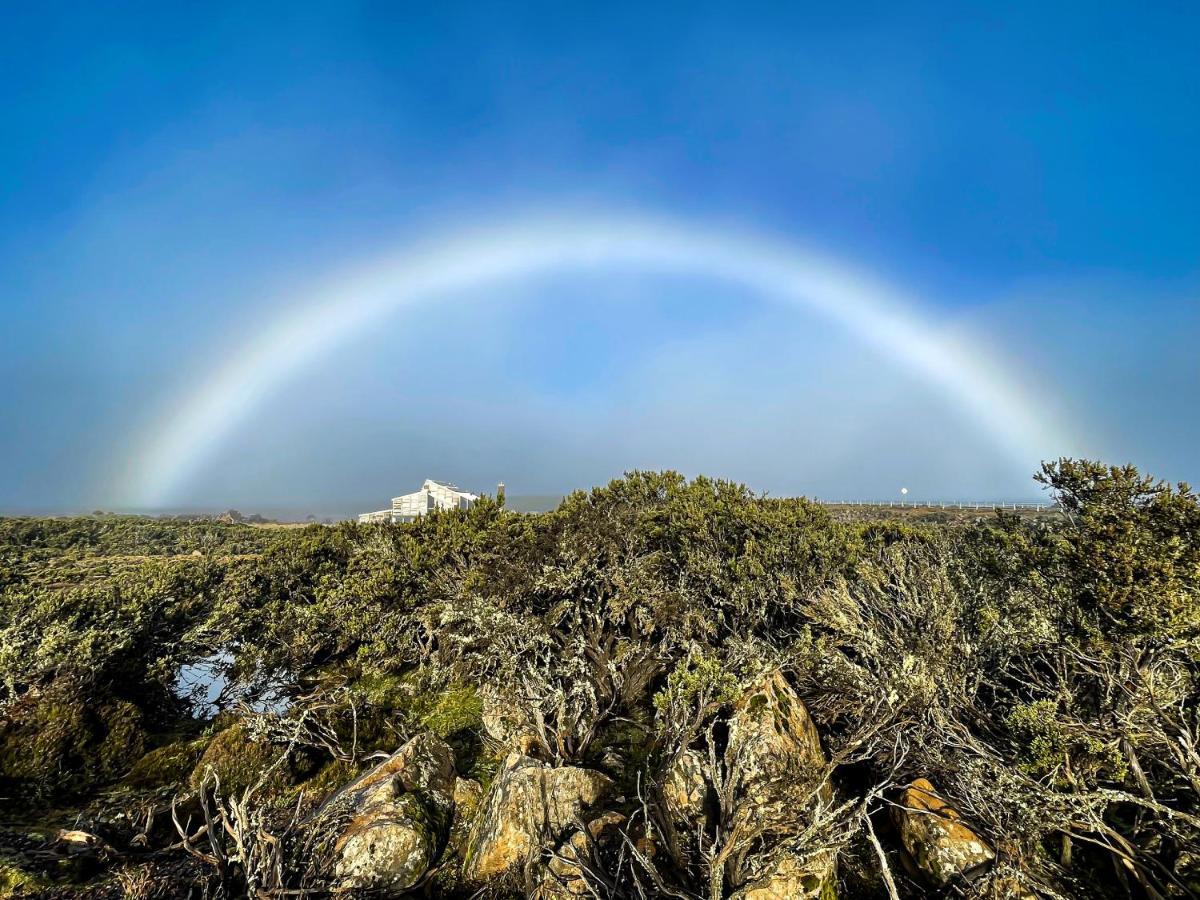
(529, 806)
(398, 813)
(387, 848)
(937, 841)
(774, 753)
(779, 784)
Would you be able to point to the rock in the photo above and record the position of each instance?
(778, 780)
(564, 875)
(936, 839)
(685, 791)
(74, 842)
(774, 751)
(529, 801)
(425, 766)
(789, 879)
(389, 847)
(506, 722)
(467, 796)
(399, 811)
(613, 762)
(238, 763)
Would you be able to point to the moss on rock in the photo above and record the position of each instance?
(16, 882)
(167, 765)
(329, 778)
(124, 738)
(55, 744)
(239, 762)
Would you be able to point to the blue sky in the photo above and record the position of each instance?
(173, 176)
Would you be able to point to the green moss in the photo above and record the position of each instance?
(483, 769)
(239, 762)
(124, 738)
(55, 744)
(452, 711)
(329, 778)
(44, 738)
(15, 882)
(426, 813)
(167, 765)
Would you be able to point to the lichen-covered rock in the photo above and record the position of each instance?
(787, 878)
(529, 802)
(779, 784)
(774, 751)
(564, 876)
(388, 847)
(399, 811)
(425, 766)
(505, 721)
(936, 839)
(468, 793)
(685, 791)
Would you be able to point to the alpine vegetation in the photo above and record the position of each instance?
(663, 688)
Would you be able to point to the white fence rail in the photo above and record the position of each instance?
(943, 504)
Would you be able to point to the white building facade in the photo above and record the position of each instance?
(432, 495)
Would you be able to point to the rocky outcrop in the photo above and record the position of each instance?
(398, 814)
(565, 875)
(388, 847)
(529, 806)
(937, 841)
(774, 752)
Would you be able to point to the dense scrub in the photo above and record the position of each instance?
(1043, 674)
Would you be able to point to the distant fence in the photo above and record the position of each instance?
(941, 504)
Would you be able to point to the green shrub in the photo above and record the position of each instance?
(1043, 673)
(1051, 746)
